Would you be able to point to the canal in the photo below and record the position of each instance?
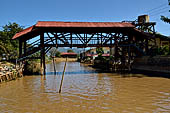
(85, 91)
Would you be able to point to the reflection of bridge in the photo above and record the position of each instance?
(124, 37)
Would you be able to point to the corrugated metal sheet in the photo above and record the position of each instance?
(105, 54)
(53, 24)
(82, 24)
(68, 53)
(25, 31)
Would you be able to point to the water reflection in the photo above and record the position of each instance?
(73, 72)
(84, 90)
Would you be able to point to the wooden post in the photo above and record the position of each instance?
(16, 62)
(130, 38)
(20, 48)
(20, 51)
(153, 29)
(25, 47)
(115, 49)
(43, 67)
(98, 40)
(169, 46)
(129, 54)
(63, 76)
(101, 39)
(71, 39)
(111, 51)
(54, 66)
(146, 48)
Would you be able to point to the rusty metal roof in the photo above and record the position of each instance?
(25, 31)
(54, 24)
(82, 24)
(66, 53)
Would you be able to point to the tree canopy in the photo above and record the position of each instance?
(99, 51)
(70, 51)
(54, 52)
(164, 18)
(7, 45)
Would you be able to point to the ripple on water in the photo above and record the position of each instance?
(85, 90)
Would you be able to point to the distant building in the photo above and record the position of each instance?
(162, 40)
(93, 51)
(93, 54)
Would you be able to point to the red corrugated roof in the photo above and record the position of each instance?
(68, 53)
(53, 24)
(25, 31)
(105, 54)
(82, 24)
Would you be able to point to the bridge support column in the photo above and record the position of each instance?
(20, 48)
(25, 47)
(112, 51)
(146, 47)
(130, 41)
(129, 58)
(43, 67)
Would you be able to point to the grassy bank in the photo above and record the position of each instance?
(33, 67)
(64, 59)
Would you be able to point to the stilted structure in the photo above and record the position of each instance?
(124, 38)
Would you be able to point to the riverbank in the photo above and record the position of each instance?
(149, 66)
(158, 65)
(34, 67)
(9, 71)
(64, 59)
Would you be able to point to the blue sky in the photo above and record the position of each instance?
(28, 12)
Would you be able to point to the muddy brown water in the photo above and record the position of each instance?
(85, 91)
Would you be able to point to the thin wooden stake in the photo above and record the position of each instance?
(54, 66)
(63, 76)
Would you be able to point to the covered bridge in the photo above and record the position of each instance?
(122, 36)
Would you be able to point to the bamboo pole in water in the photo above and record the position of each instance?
(63, 76)
(54, 66)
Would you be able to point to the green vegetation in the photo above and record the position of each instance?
(70, 51)
(99, 51)
(54, 52)
(163, 51)
(166, 19)
(58, 54)
(100, 60)
(7, 45)
(32, 67)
